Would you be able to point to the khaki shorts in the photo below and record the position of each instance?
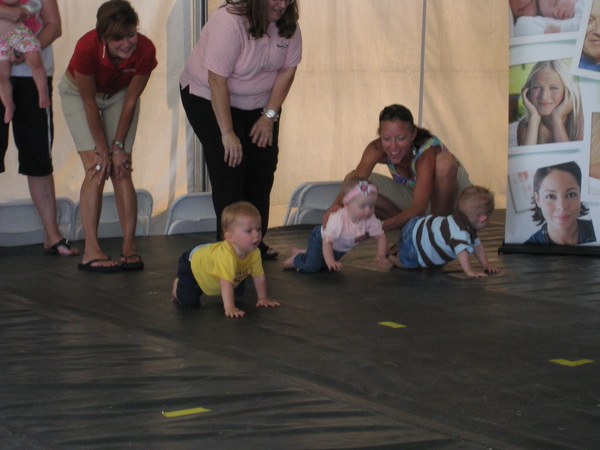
(402, 195)
(110, 111)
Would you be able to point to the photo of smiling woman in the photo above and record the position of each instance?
(552, 102)
(558, 207)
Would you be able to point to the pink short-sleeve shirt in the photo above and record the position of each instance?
(343, 232)
(250, 64)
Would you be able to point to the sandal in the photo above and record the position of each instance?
(268, 252)
(54, 250)
(89, 266)
(126, 265)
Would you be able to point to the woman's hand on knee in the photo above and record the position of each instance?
(262, 132)
(121, 165)
(100, 168)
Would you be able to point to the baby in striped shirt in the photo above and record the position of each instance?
(436, 240)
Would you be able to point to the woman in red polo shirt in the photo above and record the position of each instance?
(100, 94)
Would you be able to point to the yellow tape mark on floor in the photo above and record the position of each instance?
(566, 362)
(185, 412)
(391, 324)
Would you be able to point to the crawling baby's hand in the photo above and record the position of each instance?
(234, 312)
(473, 274)
(266, 302)
(490, 269)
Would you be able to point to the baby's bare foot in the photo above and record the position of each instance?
(289, 263)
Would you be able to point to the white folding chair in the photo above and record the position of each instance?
(109, 225)
(145, 204)
(20, 223)
(191, 213)
(313, 199)
(293, 203)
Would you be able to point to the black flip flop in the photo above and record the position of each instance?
(62, 243)
(268, 252)
(88, 267)
(138, 265)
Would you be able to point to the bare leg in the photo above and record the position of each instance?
(6, 90)
(126, 200)
(445, 184)
(289, 263)
(174, 290)
(44, 199)
(34, 61)
(90, 206)
(385, 208)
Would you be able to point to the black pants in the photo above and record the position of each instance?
(253, 179)
(33, 129)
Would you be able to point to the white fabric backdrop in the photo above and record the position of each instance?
(359, 56)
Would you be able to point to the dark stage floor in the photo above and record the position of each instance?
(107, 361)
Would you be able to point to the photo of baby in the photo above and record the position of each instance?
(536, 17)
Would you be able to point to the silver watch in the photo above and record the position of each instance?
(271, 114)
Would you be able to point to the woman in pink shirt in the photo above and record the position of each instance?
(232, 89)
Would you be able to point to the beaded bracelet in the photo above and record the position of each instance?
(102, 154)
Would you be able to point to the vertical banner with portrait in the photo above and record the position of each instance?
(553, 190)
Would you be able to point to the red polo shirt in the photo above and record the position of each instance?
(90, 58)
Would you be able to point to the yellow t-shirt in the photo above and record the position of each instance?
(213, 262)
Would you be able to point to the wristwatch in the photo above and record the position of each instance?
(271, 114)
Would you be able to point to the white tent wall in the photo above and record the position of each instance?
(359, 55)
(465, 86)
